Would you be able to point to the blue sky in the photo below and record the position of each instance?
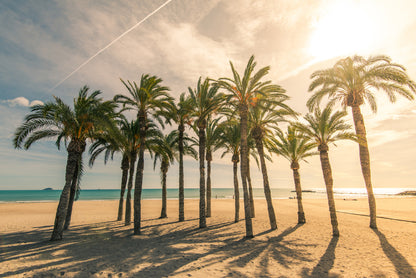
(42, 42)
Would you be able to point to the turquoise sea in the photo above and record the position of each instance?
(191, 193)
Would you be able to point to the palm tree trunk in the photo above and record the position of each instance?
(327, 172)
(71, 199)
(75, 150)
(208, 186)
(244, 169)
(125, 170)
(267, 192)
(250, 190)
(365, 162)
(202, 215)
(127, 214)
(296, 177)
(138, 185)
(236, 191)
(164, 194)
(181, 129)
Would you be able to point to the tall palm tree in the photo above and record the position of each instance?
(263, 121)
(353, 82)
(89, 116)
(148, 97)
(243, 94)
(163, 152)
(125, 139)
(294, 146)
(230, 140)
(205, 101)
(323, 128)
(213, 133)
(166, 149)
(181, 115)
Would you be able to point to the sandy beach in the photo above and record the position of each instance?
(98, 246)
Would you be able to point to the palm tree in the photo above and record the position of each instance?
(148, 98)
(294, 146)
(213, 133)
(163, 152)
(166, 149)
(88, 118)
(125, 139)
(324, 128)
(263, 120)
(230, 140)
(181, 115)
(243, 94)
(205, 101)
(353, 81)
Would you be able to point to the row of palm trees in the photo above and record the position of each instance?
(240, 115)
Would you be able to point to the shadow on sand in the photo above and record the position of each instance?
(177, 248)
(326, 262)
(403, 268)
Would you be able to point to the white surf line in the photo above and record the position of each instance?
(378, 216)
(108, 45)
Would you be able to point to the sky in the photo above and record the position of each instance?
(44, 47)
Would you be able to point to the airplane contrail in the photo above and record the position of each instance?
(108, 45)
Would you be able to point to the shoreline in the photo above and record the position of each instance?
(350, 197)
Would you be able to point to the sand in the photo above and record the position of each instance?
(98, 246)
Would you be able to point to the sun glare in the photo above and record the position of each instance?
(344, 28)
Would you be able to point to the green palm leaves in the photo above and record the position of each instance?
(354, 80)
(325, 127)
(57, 120)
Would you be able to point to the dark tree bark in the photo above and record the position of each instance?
(235, 161)
(164, 192)
(296, 176)
(138, 183)
(75, 150)
(209, 159)
(244, 170)
(267, 192)
(125, 170)
(327, 172)
(72, 194)
(202, 215)
(127, 214)
(181, 129)
(250, 190)
(365, 162)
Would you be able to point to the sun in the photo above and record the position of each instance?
(345, 28)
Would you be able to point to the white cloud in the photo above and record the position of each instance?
(21, 101)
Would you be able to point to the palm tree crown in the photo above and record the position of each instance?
(325, 127)
(88, 118)
(292, 145)
(353, 81)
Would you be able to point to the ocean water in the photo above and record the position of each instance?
(192, 193)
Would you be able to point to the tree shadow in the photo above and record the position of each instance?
(402, 266)
(161, 250)
(326, 262)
